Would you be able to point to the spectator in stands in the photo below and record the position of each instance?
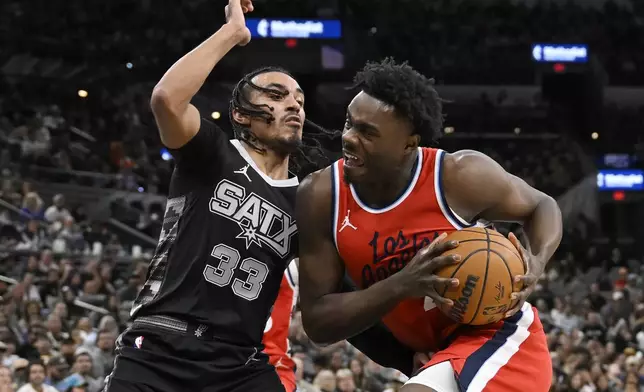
(57, 211)
(6, 379)
(325, 381)
(345, 381)
(594, 329)
(55, 332)
(33, 206)
(302, 384)
(83, 366)
(103, 358)
(33, 237)
(71, 234)
(57, 373)
(36, 379)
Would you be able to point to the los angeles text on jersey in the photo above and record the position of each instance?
(391, 254)
(259, 220)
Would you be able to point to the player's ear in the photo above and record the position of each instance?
(242, 119)
(413, 141)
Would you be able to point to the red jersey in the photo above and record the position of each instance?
(277, 327)
(376, 243)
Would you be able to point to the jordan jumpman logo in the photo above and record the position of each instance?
(346, 222)
(244, 171)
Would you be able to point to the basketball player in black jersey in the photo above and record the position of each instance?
(228, 233)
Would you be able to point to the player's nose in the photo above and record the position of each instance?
(292, 104)
(349, 138)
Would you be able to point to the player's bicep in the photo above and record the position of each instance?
(490, 192)
(177, 124)
(321, 270)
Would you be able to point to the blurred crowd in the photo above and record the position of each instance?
(439, 36)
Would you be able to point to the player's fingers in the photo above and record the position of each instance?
(528, 280)
(440, 300)
(427, 250)
(520, 295)
(515, 309)
(517, 244)
(442, 285)
(444, 246)
(420, 359)
(437, 240)
(443, 261)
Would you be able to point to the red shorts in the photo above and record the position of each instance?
(509, 356)
(287, 377)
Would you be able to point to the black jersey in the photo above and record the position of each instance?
(228, 234)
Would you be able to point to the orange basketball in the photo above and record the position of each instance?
(489, 263)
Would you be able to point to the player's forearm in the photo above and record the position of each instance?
(379, 344)
(544, 229)
(335, 317)
(184, 79)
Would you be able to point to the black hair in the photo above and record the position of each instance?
(411, 94)
(36, 362)
(309, 155)
(241, 103)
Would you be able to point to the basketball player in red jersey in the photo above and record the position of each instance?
(276, 344)
(379, 212)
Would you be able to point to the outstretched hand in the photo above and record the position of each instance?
(235, 11)
(526, 282)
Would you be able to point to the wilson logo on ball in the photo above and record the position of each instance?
(460, 306)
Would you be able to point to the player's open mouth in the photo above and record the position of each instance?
(352, 160)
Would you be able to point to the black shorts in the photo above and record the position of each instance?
(160, 354)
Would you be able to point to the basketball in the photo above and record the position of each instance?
(489, 263)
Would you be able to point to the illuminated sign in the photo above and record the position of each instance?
(555, 53)
(295, 28)
(630, 180)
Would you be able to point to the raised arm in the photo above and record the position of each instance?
(177, 119)
(329, 316)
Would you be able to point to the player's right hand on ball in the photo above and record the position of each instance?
(235, 11)
(418, 276)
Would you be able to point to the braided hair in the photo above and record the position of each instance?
(308, 155)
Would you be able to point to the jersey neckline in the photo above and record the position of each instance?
(293, 181)
(397, 202)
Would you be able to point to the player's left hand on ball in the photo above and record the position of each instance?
(527, 281)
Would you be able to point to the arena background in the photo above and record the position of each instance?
(552, 90)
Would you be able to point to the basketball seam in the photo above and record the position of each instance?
(514, 251)
(487, 267)
(497, 234)
(459, 267)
